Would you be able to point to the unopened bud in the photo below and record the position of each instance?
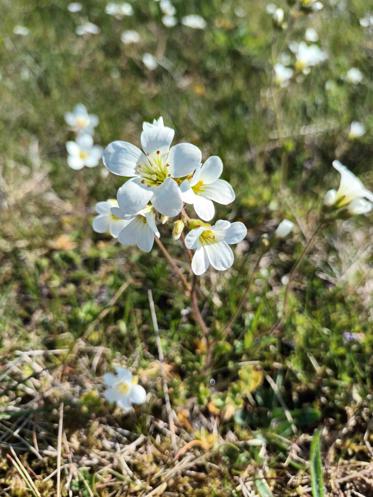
(164, 219)
(196, 223)
(284, 229)
(177, 229)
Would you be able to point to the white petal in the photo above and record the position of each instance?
(111, 395)
(350, 186)
(220, 255)
(222, 224)
(187, 194)
(72, 148)
(70, 118)
(109, 379)
(145, 238)
(94, 156)
(211, 169)
(360, 206)
(330, 197)
(184, 158)
(85, 141)
(75, 162)
(121, 158)
(137, 233)
(235, 233)
(116, 226)
(156, 137)
(219, 191)
(133, 196)
(123, 374)
(204, 208)
(125, 404)
(150, 219)
(137, 394)
(191, 240)
(284, 228)
(167, 198)
(200, 262)
(100, 224)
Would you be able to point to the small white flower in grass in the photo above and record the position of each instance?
(307, 56)
(21, 30)
(205, 187)
(83, 152)
(152, 170)
(311, 35)
(87, 28)
(354, 76)
(106, 221)
(149, 61)
(357, 130)
(169, 21)
(74, 7)
(130, 37)
(194, 21)
(122, 388)
(283, 74)
(140, 229)
(366, 21)
(313, 5)
(351, 193)
(211, 244)
(284, 228)
(119, 10)
(80, 121)
(167, 8)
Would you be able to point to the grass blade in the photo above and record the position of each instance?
(317, 479)
(263, 488)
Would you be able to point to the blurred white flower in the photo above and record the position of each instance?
(106, 221)
(21, 30)
(311, 35)
(314, 5)
(130, 36)
(122, 388)
(205, 187)
(119, 10)
(167, 8)
(87, 28)
(152, 170)
(194, 21)
(80, 121)
(351, 193)
(211, 244)
(271, 8)
(367, 21)
(169, 21)
(307, 56)
(283, 74)
(284, 228)
(83, 152)
(357, 130)
(354, 76)
(140, 229)
(74, 7)
(149, 61)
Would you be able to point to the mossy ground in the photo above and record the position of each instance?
(73, 303)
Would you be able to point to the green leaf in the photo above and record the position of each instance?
(317, 479)
(263, 488)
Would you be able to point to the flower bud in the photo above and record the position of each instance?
(177, 229)
(330, 198)
(284, 228)
(197, 223)
(164, 219)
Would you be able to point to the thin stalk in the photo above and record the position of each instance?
(173, 264)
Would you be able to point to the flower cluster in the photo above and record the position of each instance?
(82, 152)
(163, 179)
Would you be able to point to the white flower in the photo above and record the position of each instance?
(278, 16)
(21, 30)
(366, 21)
(354, 76)
(87, 28)
(311, 35)
(284, 228)
(351, 193)
(119, 10)
(74, 7)
(167, 8)
(271, 8)
(211, 244)
(314, 5)
(106, 221)
(80, 121)
(122, 388)
(140, 229)
(307, 56)
(149, 61)
(283, 74)
(83, 152)
(205, 187)
(169, 21)
(130, 36)
(194, 21)
(152, 170)
(357, 130)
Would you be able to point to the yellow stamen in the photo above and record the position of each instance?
(207, 237)
(83, 155)
(198, 187)
(122, 388)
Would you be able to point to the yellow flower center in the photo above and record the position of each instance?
(299, 65)
(198, 187)
(207, 237)
(81, 122)
(83, 155)
(122, 388)
(154, 172)
(114, 217)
